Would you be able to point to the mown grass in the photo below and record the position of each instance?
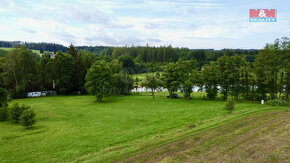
(76, 128)
(258, 137)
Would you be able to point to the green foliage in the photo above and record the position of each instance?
(4, 113)
(152, 82)
(3, 97)
(122, 83)
(61, 69)
(189, 76)
(148, 54)
(128, 63)
(230, 105)
(27, 118)
(278, 103)
(16, 111)
(19, 92)
(117, 66)
(71, 50)
(210, 80)
(2, 53)
(232, 71)
(180, 75)
(266, 71)
(229, 70)
(20, 69)
(187, 89)
(99, 79)
(82, 62)
(171, 78)
(137, 80)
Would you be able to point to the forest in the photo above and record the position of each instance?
(241, 74)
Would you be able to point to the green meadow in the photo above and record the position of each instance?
(77, 128)
(10, 49)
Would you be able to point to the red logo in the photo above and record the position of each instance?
(263, 15)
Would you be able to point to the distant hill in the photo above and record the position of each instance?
(43, 46)
(52, 47)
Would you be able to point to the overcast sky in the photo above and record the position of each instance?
(185, 23)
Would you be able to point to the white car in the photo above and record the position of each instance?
(34, 94)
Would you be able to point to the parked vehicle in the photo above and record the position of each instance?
(33, 94)
(174, 96)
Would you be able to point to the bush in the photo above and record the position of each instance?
(4, 113)
(16, 111)
(19, 92)
(230, 105)
(3, 97)
(27, 118)
(278, 103)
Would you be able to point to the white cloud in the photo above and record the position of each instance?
(6, 3)
(125, 22)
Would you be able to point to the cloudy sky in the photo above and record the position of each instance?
(182, 23)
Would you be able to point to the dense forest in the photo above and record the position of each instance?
(52, 47)
(246, 74)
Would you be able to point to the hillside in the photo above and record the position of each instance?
(76, 128)
(259, 137)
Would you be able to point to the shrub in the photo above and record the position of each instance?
(278, 103)
(230, 105)
(19, 92)
(4, 113)
(27, 118)
(16, 111)
(3, 97)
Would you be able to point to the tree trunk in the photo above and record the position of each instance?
(152, 93)
(281, 84)
(99, 98)
(187, 96)
(171, 93)
(16, 82)
(287, 92)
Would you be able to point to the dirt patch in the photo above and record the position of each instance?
(260, 137)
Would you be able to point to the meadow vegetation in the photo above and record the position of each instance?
(77, 128)
(116, 124)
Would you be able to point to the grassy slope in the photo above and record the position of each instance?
(141, 77)
(9, 49)
(259, 137)
(75, 128)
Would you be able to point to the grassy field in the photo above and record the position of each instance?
(258, 137)
(141, 77)
(9, 49)
(76, 128)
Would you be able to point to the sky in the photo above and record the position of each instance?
(196, 24)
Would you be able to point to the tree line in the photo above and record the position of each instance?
(247, 74)
(42, 47)
(166, 54)
(21, 72)
(269, 74)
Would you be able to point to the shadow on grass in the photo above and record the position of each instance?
(110, 99)
(26, 131)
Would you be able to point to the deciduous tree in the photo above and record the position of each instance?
(99, 79)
